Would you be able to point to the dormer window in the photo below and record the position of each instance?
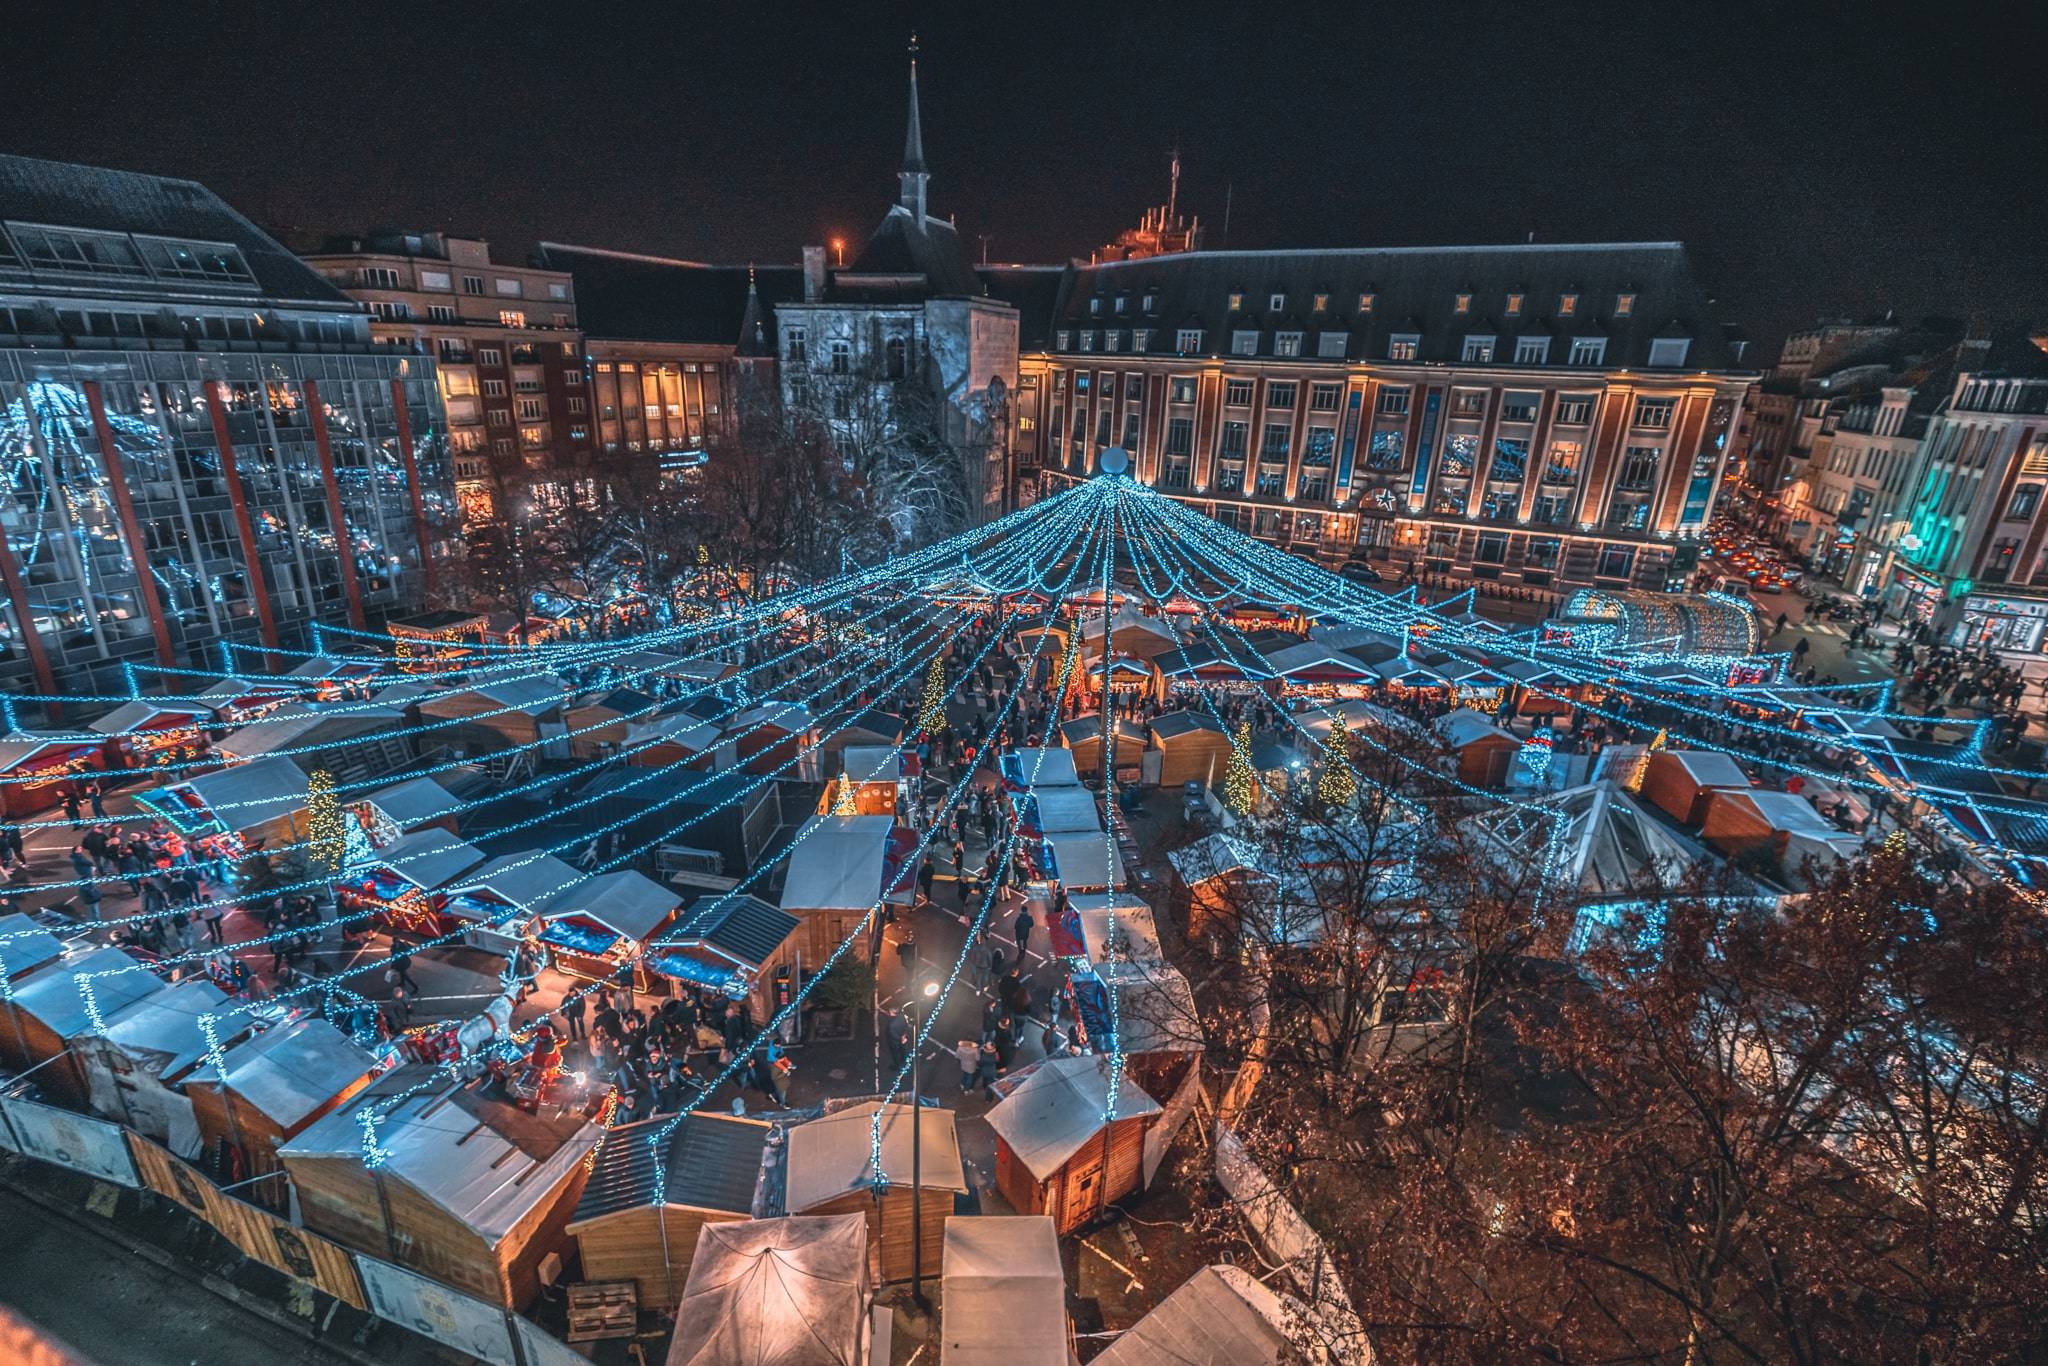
(1624, 304)
(1668, 353)
(1095, 305)
(1365, 303)
(1322, 302)
(1236, 303)
(1567, 305)
(1150, 301)
(1464, 303)
(1276, 302)
(1514, 305)
(1062, 338)
(1121, 301)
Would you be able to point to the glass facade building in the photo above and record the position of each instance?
(190, 458)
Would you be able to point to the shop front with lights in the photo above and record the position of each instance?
(603, 926)
(151, 734)
(38, 767)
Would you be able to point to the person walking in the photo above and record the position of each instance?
(1023, 927)
(96, 795)
(573, 1007)
(988, 1066)
(896, 1030)
(968, 1054)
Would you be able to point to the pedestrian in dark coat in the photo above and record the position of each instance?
(573, 1008)
(1024, 924)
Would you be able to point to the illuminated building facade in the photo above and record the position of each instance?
(506, 346)
(199, 440)
(1541, 415)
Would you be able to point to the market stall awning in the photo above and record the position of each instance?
(429, 859)
(776, 1292)
(1085, 860)
(239, 798)
(1040, 768)
(838, 863)
(131, 717)
(1057, 1105)
(526, 883)
(290, 1072)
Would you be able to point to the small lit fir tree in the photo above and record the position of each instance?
(932, 719)
(1237, 779)
(326, 837)
(1336, 787)
(842, 804)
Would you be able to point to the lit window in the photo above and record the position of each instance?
(1140, 338)
(1514, 304)
(1322, 303)
(1236, 302)
(511, 317)
(1624, 304)
(1365, 303)
(1404, 345)
(1464, 304)
(1062, 339)
(1567, 305)
(1095, 305)
(1188, 339)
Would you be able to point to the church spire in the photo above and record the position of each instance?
(913, 176)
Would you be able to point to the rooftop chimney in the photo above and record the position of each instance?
(814, 274)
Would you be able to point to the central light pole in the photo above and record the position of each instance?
(928, 991)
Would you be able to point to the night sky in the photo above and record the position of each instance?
(1818, 159)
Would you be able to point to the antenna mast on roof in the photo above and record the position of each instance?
(1173, 194)
(1229, 187)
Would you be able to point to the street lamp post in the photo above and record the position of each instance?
(928, 991)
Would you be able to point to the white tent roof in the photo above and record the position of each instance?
(692, 733)
(1219, 1316)
(167, 1021)
(833, 1155)
(129, 715)
(431, 858)
(1783, 811)
(1706, 767)
(1087, 860)
(631, 903)
(297, 724)
(250, 794)
(1059, 1106)
(1460, 728)
(872, 763)
(775, 1292)
(837, 863)
(1135, 928)
(1310, 654)
(1063, 810)
(326, 666)
(25, 945)
(480, 1164)
(1005, 1293)
(793, 717)
(1044, 768)
(289, 1072)
(415, 802)
(532, 695)
(1155, 1008)
(528, 881)
(52, 996)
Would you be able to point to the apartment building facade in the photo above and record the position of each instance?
(1972, 560)
(506, 344)
(1549, 416)
(201, 440)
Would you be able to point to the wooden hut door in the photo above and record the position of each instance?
(1084, 1198)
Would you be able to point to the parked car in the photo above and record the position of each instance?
(1361, 571)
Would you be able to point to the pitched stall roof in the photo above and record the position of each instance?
(838, 863)
(1415, 291)
(832, 1156)
(289, 1072)
(167, 1022)
(629, 903)
(1219, 1315)
(712, 1162)
(430, 858)
(482, 1159)
(745, 929)
(25, 945)
(1058, 1105)
(52, 995)
(1005, 1292)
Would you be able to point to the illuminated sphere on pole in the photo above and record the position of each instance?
(1116, 460)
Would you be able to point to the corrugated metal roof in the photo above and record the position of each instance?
(713, 1162)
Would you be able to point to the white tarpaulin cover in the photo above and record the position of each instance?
(290, 1072)
(52, 994)
(837, 864)
(775, 1292)
(429, 858)
(1063, 810)
(1086, 861)
(1005, 1295)
(1218, 1317)
(1137, 935)
(1059, 1106)
(830, 1156)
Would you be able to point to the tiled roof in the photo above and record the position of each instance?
(621, 296)
(901, 248)
(64, 194)
(1414, 290)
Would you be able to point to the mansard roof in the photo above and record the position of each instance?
(60, 194)
(622, 296)
(1414, 291)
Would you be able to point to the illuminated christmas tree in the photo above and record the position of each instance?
(1237, 779)
(326, 835)
(932, 718)
(1641, 771)
(1070, 664)
(842, 805)
(1336, 786)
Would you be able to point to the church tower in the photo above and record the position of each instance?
(913, 177)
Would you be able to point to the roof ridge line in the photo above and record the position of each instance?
(1415, 250)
